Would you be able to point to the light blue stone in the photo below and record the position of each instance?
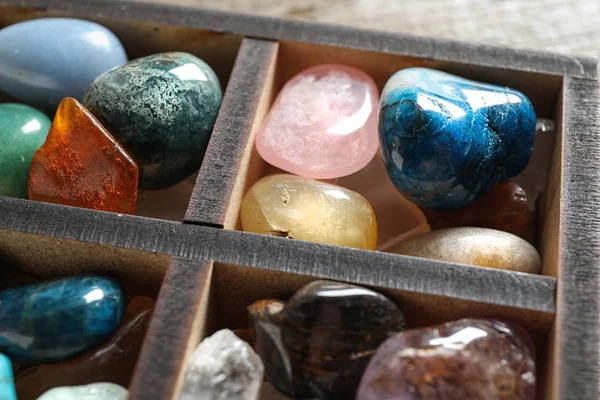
(7, 382)
(45, 60)
(447, 140)
(53, 321)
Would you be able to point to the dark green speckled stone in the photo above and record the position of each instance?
(53, 321)
(162, 109)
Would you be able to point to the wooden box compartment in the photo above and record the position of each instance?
(215, 273)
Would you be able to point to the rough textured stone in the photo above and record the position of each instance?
(319, 344)
(223, 367)
(52, 321)
(475, 246)
(323, 124)
(82, 165)
(447, 140)
(42, 61)
(94, 391)
(162, 109)
(505, 208)
(112, 361)
(299, 208)
(22, 131)
(467, 359)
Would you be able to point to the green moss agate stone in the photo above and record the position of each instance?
(162, 109)
(52, 321)
(22, 131)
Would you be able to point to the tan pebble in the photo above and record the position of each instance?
(303, 209)
(475, 246)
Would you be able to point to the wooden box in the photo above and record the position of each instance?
(205, 272)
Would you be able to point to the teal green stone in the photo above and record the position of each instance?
(7, 382)
(161, 109)
(55, 320)
(22, 131)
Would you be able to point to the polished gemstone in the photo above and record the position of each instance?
(52, 321)
(299, 208)
(82, 165)
(112, 361)
(467, 359)
(7, 383)
(94, 391)
(319, 343)
(323, 123)
(447, 140)
(475, 246)
(223, 367)
(505, 208)
(22, 131)
(162, 109)
(45, 60)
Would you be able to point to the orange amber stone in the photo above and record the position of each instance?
(82, 165)
(504, 208)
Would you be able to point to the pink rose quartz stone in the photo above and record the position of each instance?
(323, 124)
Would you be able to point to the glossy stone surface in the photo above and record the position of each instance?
(7, 384)
(318, 345)
(22, 131)
(52, 321)
(447, 140)
(476, 246)
(162, 109)
(467, 359)
(505, 208)
(45, 60)
(299, 208)
(94, 391)
(223, 367)
(82, 165)
(112, 361)
(323, 124)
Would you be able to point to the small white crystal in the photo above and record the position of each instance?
(223, 367)
(93, 391)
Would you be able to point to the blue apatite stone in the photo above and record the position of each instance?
(7, 382)
(43, 61)
(162, 109)
(447, 140)
(55, 320)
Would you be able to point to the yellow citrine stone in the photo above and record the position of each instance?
(300, 208)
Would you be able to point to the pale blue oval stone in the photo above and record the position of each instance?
(7, 383)
(45, 60)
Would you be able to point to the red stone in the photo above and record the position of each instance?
(82, 165)
(504, 208)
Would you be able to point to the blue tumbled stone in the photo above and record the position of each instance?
(55, 320)
(447, 140)
(7, 382)
(45, 60)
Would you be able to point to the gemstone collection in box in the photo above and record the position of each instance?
(198, 204)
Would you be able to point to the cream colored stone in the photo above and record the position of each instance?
(304, 209)
(475, 246)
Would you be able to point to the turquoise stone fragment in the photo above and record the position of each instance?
(7, 382)
(22, 131)
(447, 140)
(52, 321)
(162, 109)
(45, 60)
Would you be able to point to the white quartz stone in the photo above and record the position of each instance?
(223, 367)
(93, 391)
